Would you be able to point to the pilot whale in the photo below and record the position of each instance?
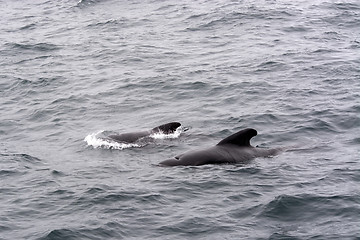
(132, 137)
(233, 149)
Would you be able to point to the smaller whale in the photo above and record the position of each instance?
(233, 149)
(132, 137)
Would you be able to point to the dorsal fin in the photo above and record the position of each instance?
(241, 138)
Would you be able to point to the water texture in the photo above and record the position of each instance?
(73, 69)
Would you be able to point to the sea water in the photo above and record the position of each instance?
(73, 70)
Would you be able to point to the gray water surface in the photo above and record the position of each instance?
(70, 69)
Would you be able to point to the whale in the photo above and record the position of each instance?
(132, 137)
(231, 150)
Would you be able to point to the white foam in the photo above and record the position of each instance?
(161, 135)
(95, 141)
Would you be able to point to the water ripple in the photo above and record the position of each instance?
(289, 69)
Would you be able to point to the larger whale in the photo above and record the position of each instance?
(132, 137)
(233, 149)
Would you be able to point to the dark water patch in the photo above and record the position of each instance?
(26, 211)
(7, 192)
(57, 173)
(197, 16)
(245, 194)
(314, 127)
(95, 190)
(342, 14)
(354, 44)
(30, 87)
(111, 25)
(265, 119)
(37, 47)
(84, 233)
(244, 170)
(292, 29)
(20, 158)
(194, 227)
(29, 26)
(235, 15)
(240, 212)
(283, 236)
(179, 194)
(19, 82)
(61, 234)
(304, 207)
(98, 197)
(355, 141)
(41, 115)
(326, 53)
(345, 174)
(230, 20)
(168, 8)
(28, 158)
(41, 179)
(343, 6)
(194, 85)
(61, 192)
(10, 173)
(207, 184)
(187, 90)
(4, 227)
(332, 35)
(47, 81)
(71, 99)
(322, 125)
(347, 122)
(270, 66)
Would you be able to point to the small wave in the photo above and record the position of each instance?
(270, 66)
(21, 157)
(8, 173)
(296, 29)
(28, 26)
(17, 164)
(84, 233)
(39, 47)
(57, 173)
(231, 19)
(244, 170)
(109, 23)
(96, 141)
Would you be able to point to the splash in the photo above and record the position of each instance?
(96, 141)
(162, 135)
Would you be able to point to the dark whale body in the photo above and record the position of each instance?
(132, 137)
(233, 149)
